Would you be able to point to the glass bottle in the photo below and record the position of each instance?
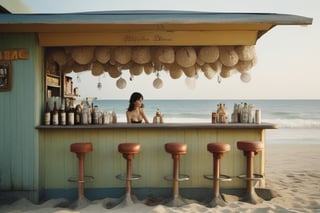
(77, 115)
(55, 114)
(114, 117)
(47, 115)
(70, 113)
(63, 117)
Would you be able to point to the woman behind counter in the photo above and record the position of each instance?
(135, 112)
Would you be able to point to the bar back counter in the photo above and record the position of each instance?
(57, 163)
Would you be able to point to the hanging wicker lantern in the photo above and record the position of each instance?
(58, 55)
(190, 71)
(122, 55)
(225, 71)
(141, 55)
(208, 71)
(246, 53)
(209, 54)
(228, 56)
(80, 67)
(165, 54)
(82, 55)
(148, 68)
(67, 68)
(113, 71)
(186, 56)
(175, 71)
(136, 69)
(103, 54)
(97, 69)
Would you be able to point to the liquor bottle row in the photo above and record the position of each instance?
(242, 113)
(82, 114)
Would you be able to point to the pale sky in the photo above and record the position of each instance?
(288, 56)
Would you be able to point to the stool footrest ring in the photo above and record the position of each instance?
(220, 178)
(255, 177)
(182, 177)
(124, 177)
(86, 179)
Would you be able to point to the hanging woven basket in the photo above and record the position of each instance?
(82, 55)
(209, 54)
(186, 56)
(103, 54)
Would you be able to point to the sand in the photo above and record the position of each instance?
(292, 171)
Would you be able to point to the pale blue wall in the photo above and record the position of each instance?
(20, 111)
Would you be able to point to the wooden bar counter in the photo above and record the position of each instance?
(57, 163)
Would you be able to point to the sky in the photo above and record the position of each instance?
(288, 56)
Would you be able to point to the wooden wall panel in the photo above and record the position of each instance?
(153, 163)
(19, 114)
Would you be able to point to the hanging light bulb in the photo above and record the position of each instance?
(99, 84)
(190, 82)
(121, 83)
(157, 83)
(219, 79)
(245, 77)
(78, 78)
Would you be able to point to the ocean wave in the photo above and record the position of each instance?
(196, 118)
(294, 123)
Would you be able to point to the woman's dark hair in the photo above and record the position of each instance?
(134, 97)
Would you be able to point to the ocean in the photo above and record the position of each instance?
(298, 121)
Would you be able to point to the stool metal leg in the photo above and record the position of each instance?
(251, 195)
(80, 175)
(176, 168)
(129, 173)
(217, 199)
(176, 200)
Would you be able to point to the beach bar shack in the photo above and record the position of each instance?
(35, 159)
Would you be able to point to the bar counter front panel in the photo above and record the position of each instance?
(57, 163)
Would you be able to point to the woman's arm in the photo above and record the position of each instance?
(144, 115)
(128, 117)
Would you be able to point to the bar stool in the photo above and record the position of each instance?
(176, 150)
(128, 150)
(250, 149)
(80, 149)
(217, 149)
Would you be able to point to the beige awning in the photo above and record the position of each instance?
(147, 28)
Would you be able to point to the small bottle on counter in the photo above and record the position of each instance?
(245, 113)
(257, 116)
(158, 119)
(234, 115)
(213, 117)
(114, 117)
(47, 115)
(221, 115)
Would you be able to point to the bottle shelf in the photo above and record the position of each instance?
(5, 75)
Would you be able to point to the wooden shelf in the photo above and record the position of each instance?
(5, 76)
